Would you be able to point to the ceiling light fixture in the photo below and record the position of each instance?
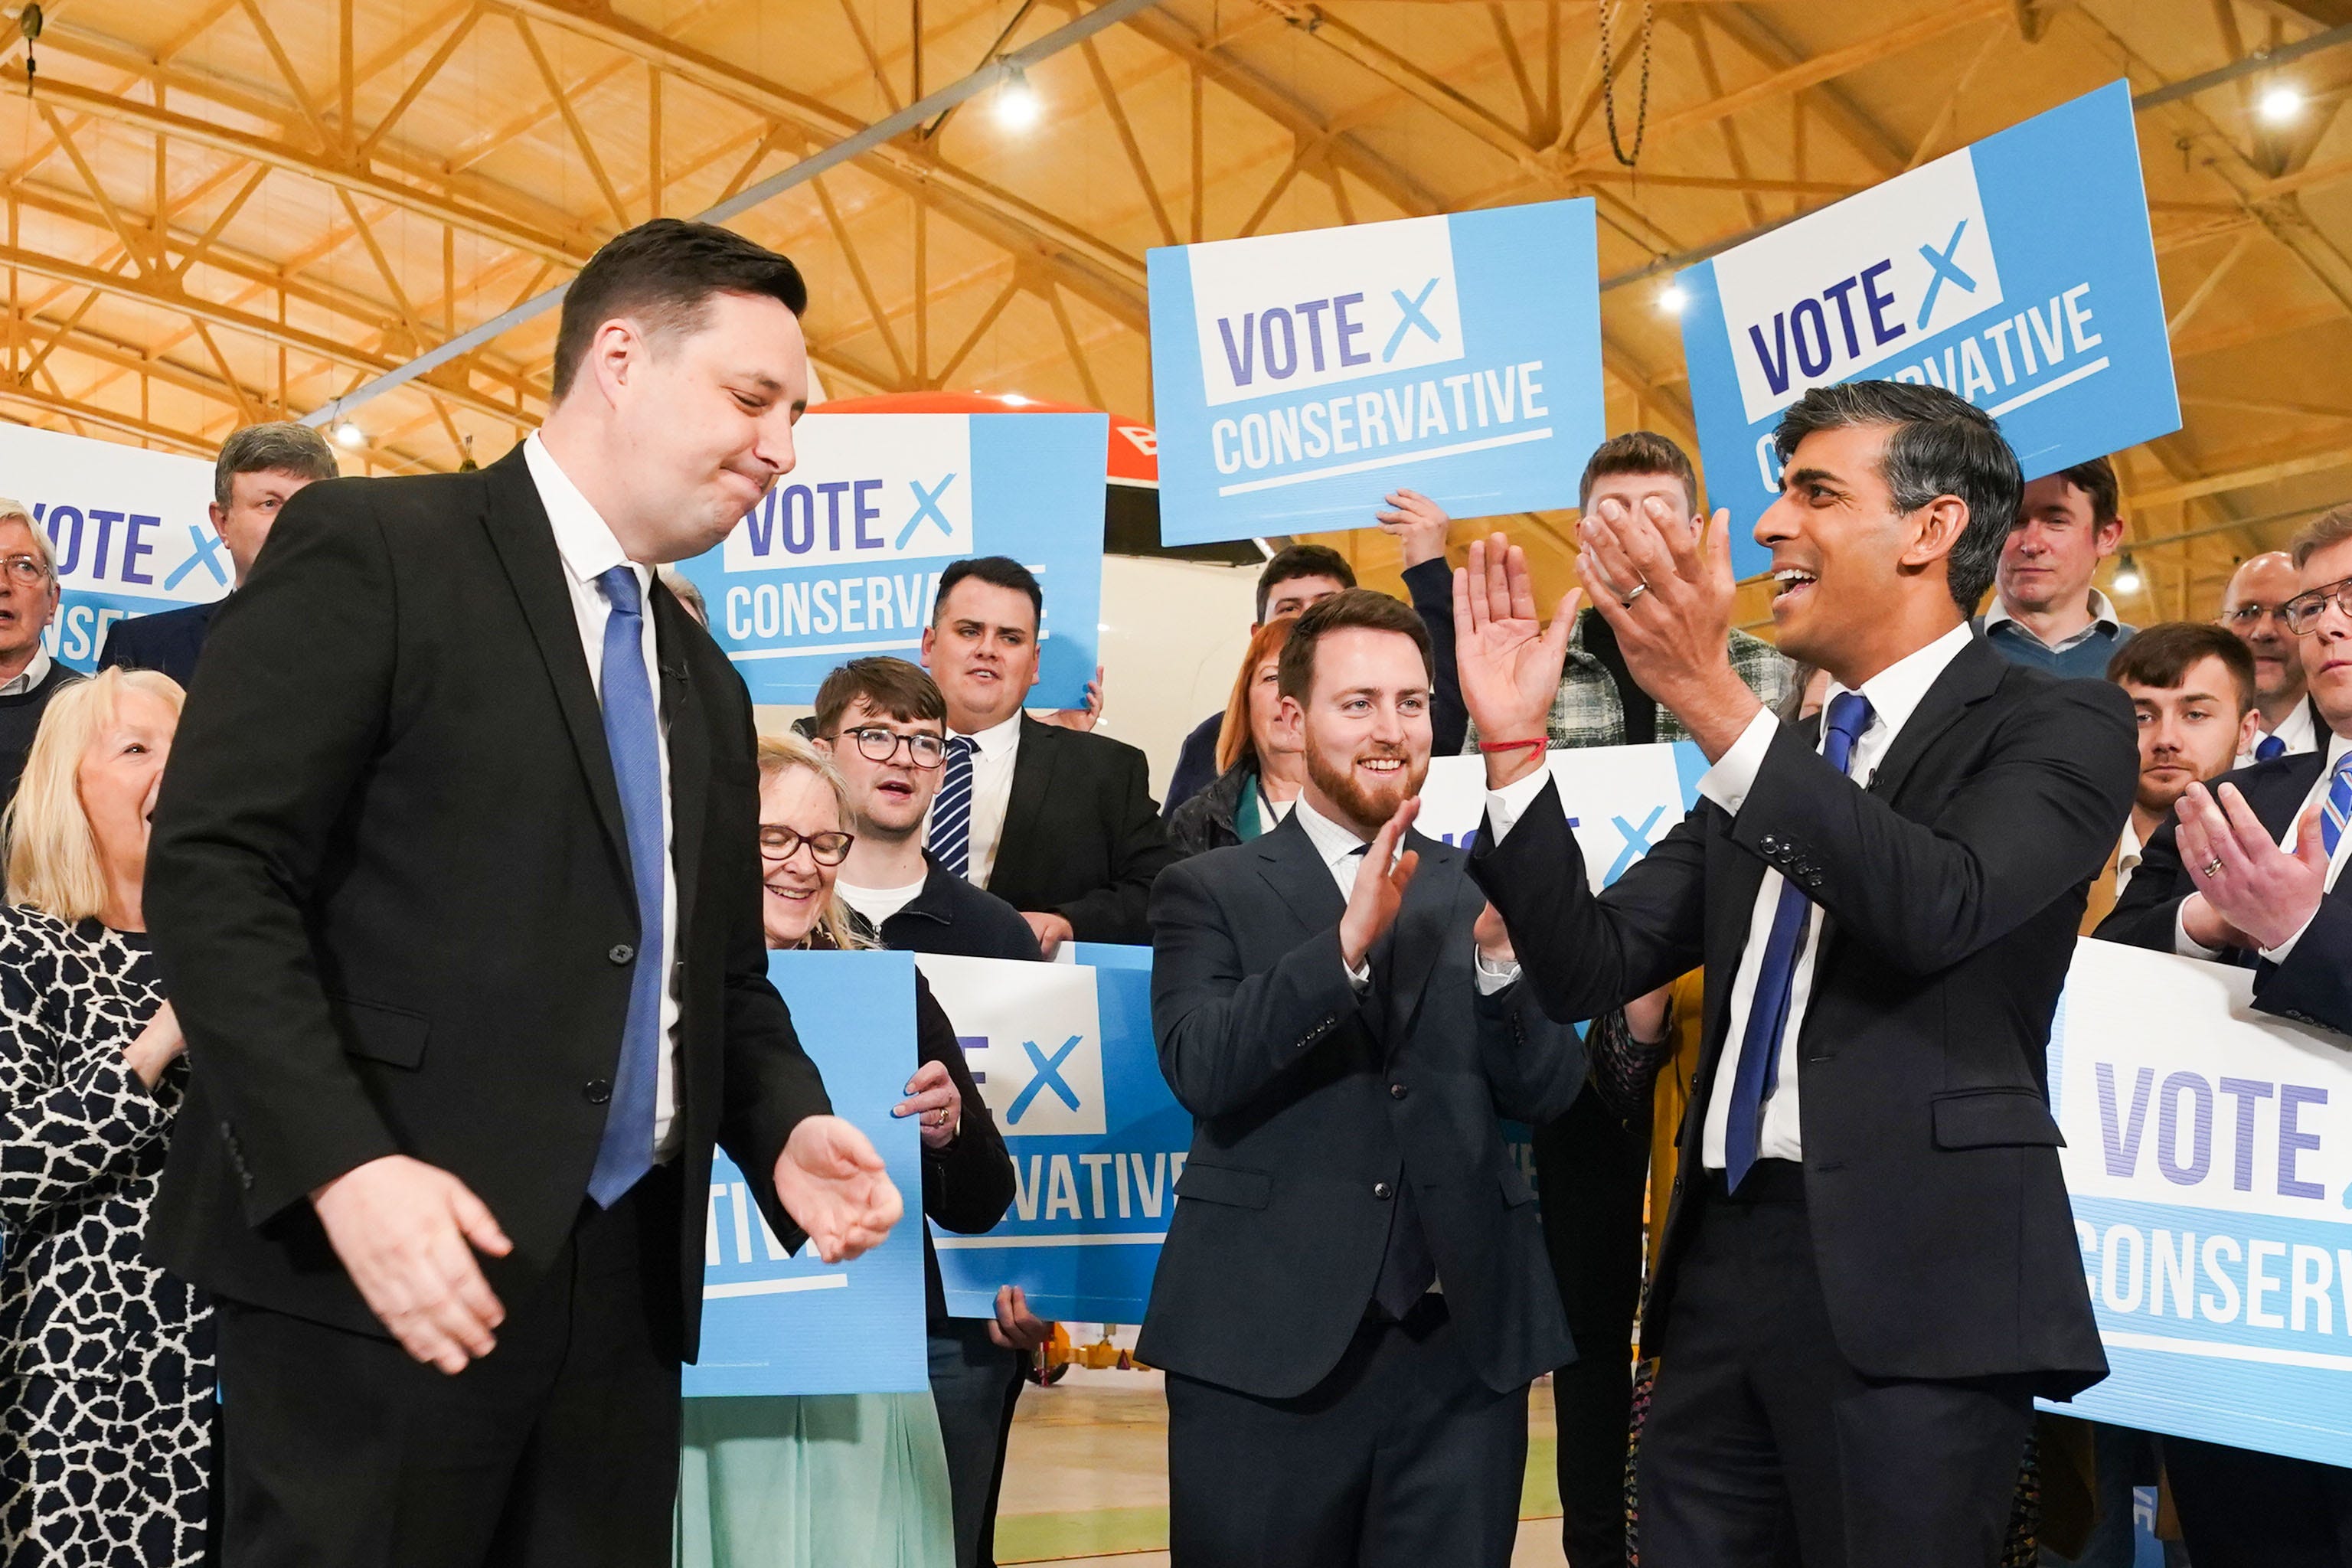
(2280, 103)
(2128, 577)
(1018, 106)
(1671, 300)
(350, 435)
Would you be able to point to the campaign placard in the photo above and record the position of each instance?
(1620, 800)
(2209, 1156)
(2018, 272)
(129, 526)
(774, 1324)
(842, 556)
(1299, 378)
(1062, 1053)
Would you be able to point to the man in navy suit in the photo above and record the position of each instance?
(258, 468)
(2251, 874)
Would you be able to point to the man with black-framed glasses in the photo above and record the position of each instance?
(29, 676)
(2250, 605)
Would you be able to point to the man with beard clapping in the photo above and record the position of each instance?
(1353, 1297)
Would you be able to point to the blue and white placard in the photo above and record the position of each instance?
(129, 526)
(1620, 800)
(1062, 1053)
(1299, 378)
(842, 556)
(778, 1324)
(2018, 272)
(2209, 1154)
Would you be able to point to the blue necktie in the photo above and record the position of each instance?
(951, 835)
(2269, 746)
(1768, 1012)
(633, 736)
(2336, 809)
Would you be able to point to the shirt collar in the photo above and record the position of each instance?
(2296, 728)
(997, 738)
(32, 675)
(2130, 849)
(2336, 746)
(1895, 692)
(583, 538)
(2103, 613)
(1333, 841)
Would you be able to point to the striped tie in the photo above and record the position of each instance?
(2336, 810)
(951, 835)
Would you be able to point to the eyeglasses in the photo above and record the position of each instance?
(30, 569)
(781, 844)
(2246, 618)
(2302, 613)
(876, 744)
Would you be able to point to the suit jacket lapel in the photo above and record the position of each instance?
(1424, 926)
(689, 743)
(525, 542)
(1973, 675)
(1288, 862)
(1033, 786)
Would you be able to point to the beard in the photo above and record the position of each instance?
(1365, 806)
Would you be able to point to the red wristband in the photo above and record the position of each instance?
(1537, 744)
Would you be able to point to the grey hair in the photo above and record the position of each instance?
(42, 547)
(2329, 527)
(282, 448)
(1940, 444)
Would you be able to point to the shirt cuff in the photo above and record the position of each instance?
(1361, 975)
(2279, 954)
(1493, 977)
(1506, 805)
(2188, 946)
(1734, 774)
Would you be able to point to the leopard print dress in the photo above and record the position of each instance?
(105, 1363)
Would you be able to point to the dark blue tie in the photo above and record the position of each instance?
(2269, 746)
(633, 736)
(951, 836)
(1768, 1013)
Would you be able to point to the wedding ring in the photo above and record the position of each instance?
(2213, 867)
(1639, 589)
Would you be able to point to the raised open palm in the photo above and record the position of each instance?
(1510, 665)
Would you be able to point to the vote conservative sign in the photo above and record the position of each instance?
(129, 526)
(1299, 378)
(843, 557)
(2018, 272)
(776, 1323)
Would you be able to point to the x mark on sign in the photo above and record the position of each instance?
(208, 555)
(927, 509)
(1637, 840)
(1412, 318)
(1941, 260)
(1049, 1076)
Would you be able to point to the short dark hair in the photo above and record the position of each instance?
(2330, 527)
(662, 274)
(890, 686)
(2097, 479)
(1939, 445)
(2162, 656)
(278, 447)
(1638, 452)
(1002, 571)
(1365, 607)
(1293, 562)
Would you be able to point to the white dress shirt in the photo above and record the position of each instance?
(1894, 694)
(993, 753)
(29, 676)
(2296, 729)
(588, 549)
(2189, 947)
(2128, 851)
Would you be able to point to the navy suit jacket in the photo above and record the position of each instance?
(168, 641)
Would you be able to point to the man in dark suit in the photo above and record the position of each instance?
(1870, 1268)
(2249, 873)
(1353, 1297)
(258, 470)
(1059, 823)
(455, 888)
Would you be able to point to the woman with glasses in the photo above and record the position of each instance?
(1260, 766)
(834, 1480)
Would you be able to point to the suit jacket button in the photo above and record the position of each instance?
(1396, 1092)
(621, 952)
(598, 1091)
(1383, 1191)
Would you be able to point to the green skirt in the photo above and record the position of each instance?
(850, 1480)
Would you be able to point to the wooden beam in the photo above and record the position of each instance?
(2250, 478)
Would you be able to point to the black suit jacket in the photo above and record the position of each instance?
(1082, 837)
(2314, 984)
(1952, 887)
(168, 641)
(1305, 1100)
(390, 894)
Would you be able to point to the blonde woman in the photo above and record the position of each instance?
(835, 1480)
(108, 1408)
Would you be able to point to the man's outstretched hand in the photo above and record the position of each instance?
(831, 1181)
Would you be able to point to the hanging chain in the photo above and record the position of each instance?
(1609, 83)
